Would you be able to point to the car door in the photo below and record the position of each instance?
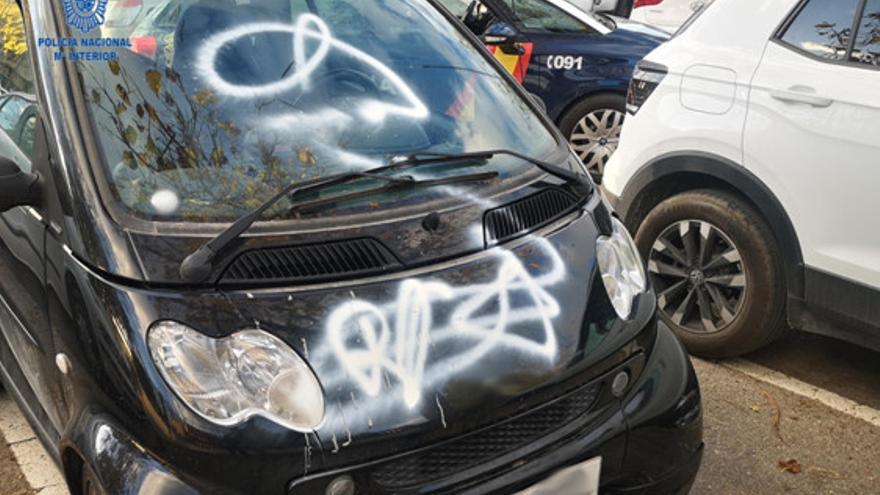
(562, 50)
(26, 350)
(813, 135)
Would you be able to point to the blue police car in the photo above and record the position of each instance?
(578, 63)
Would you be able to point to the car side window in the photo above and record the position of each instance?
(541, 16)
(866, 49)
(458, 7)
(823, 28)
(473, 13)
(18, 111)
(11, 110)
(26, 134)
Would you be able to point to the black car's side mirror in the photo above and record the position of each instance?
(500, 33)
(17, 187)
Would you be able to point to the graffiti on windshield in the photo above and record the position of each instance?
(178, 141)
(307, 27)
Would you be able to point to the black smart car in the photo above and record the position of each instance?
(318, 246)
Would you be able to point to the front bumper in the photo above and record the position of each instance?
(650, 441)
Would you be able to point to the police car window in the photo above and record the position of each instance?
(16, 78)
(823, 28)
(458, 7)
(541, 16)
(866, 49)
(218, 104)
(473, 13)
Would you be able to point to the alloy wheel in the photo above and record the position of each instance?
(595, 138)
(699, 276)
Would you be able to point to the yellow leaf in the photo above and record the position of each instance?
(122, 93)
(306, 157)
(131, 135)
(154, 80)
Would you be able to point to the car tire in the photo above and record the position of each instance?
(593, 126)
(717, 270)
(90, 483)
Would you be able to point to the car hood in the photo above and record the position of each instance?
(422, 356)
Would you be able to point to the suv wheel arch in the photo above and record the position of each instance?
(676, 173)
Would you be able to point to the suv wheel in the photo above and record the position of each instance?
(90, 484)
(717, 271)
(593, 128)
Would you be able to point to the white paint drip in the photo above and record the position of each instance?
(322, 121)
(305, 348)
(165, 202)
(442, 413)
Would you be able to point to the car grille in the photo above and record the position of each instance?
(310, 263)
(527, 214)
(485, 445)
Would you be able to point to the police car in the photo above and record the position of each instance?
(579, 63)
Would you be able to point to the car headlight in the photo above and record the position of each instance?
(622, 270)
(226, 381)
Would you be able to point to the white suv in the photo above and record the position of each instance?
(750, 171)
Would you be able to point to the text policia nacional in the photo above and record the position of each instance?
(84, 49)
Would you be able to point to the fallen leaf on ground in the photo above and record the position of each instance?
(756, 409)
(790, 466)
(777, 415)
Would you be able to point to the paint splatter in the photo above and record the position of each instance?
(442, 413)
(394, 341)
(165, 202)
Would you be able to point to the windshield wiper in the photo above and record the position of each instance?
(198, 265)
(550, 168)
(446, 181)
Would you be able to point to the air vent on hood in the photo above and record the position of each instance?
(311, 263)
(526, 215)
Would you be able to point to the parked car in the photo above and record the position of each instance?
(324, 247)
(748, 168)
(577, 62)
(668, 15)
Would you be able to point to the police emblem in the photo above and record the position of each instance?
(85, 15)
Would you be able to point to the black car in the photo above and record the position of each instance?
(321, 246)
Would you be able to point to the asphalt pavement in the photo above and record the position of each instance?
(801, 417)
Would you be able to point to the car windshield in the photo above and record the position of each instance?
(209, 107)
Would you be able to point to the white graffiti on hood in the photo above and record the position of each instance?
(403, 352)
(307, 27)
